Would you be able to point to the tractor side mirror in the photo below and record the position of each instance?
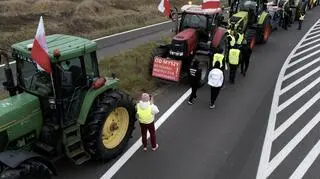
(66, 79)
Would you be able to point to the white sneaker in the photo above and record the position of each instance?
(212, 106)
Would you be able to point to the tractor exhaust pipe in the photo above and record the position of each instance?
(9, 84)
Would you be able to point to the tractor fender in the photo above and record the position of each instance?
(262, 17)
(91, 95)
(13, 158)
(219, 33)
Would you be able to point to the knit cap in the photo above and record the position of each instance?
(145, 97)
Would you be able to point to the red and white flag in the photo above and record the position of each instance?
(39, 50)
(164, 7)
(210, 4)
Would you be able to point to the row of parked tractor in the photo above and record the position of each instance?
(200, 31)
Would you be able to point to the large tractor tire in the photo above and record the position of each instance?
(157, 52)
(263, 32)
(109, 125)
(30, 169)
(251, 37)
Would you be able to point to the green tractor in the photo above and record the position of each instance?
(252, 19)
(71, 112)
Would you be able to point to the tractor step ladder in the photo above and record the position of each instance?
(74, 146)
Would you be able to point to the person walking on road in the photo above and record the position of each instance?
(246, 54)
(194, 80)
(215, 80)
(146, 112)
(219, 57)
(234, 59)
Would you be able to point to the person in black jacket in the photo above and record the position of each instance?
(194, 79)
(246, 54)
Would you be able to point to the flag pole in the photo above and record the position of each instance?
(54, 91)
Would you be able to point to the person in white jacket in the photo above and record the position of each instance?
(146, 112)
(215, 81)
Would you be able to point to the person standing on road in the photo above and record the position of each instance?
(246, 54)
(219, 57)
(194, 80)
(215, 81)
(301, 19)
(146, 112)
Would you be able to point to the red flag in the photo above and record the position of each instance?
(39, 50)
(210, 4)
(164, 7)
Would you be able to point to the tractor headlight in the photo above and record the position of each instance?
(52, 103)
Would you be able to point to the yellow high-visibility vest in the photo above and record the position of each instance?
(301, 17)
(218, 57)
(234, 55)
(144, 115)
(233, 40)
(240, 39)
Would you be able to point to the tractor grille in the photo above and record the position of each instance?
(178, 46)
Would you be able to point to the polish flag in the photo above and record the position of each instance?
(210, 4)
(39, 50)
(164, 7)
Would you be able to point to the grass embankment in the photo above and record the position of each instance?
(131, 67)
(86, 18)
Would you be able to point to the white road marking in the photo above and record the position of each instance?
(117, 34)
(307, 162)
(301, 68)
(309, 43)
(284, 126)
(303, 58)
(315, 32)
(298, 95)
(292, 144)
(264, 168)
(287, 88)
(313, 37)
(306, 50)
(128, 154)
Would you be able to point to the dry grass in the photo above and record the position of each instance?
(87, 18)
(131, 67)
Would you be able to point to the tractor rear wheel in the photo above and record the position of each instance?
(109, 125)
(157, 52)
(29, 169)
(264, 32)
(251, 37)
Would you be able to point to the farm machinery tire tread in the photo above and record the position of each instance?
(30, 169)
(99, 113)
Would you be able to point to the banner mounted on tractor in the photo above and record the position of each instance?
(166, 69)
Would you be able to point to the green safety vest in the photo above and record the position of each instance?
(218, 57)
(233, 40)
(144, 115)
(234, 55)
(240, 39)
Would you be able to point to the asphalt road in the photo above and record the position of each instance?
(227, 142)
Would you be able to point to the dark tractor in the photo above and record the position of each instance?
(198, 34)
(72, 112)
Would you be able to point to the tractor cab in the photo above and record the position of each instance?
(73, 71)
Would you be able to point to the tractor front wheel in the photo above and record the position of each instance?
(109, 125)
(30, 169)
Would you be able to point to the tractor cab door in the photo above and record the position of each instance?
(74, 77)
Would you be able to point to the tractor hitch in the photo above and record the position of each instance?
(9, 83)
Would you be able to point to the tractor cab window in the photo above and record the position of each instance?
(195, 21)
(71, 72)
(33, 78)
(91, 66)
(248, 5)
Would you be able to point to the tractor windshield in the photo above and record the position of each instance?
(247, 5)
(32, 79)
(194, 21)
